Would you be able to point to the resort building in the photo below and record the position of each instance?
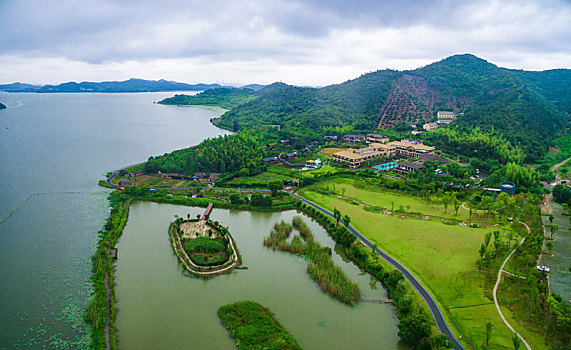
(374, 138)
(410, 148)
(352, 138)
(407, 167)
(355, 157)
(445, 117)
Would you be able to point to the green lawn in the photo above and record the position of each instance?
(384, 199)
(442, 256)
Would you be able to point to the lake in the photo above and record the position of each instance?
(55, 148)
(162, 306)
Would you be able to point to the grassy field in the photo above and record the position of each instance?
(442, 256)
(384, 199)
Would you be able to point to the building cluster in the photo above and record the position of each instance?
(404, 148)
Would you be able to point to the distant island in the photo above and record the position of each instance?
(131, 85)
(2, 106)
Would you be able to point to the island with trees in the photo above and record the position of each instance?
(204, 247)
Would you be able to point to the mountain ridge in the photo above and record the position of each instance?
(130, 85)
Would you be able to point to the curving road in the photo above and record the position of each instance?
(438, 317)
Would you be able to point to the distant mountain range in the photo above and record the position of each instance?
(131, 85)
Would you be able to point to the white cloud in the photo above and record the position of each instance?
(301, 42)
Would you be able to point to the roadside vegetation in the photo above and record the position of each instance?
(320, 265)
(254, 327)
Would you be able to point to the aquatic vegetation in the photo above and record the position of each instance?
(320, 265)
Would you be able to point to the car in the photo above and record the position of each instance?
(543, 268)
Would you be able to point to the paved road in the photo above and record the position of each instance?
(440, 322)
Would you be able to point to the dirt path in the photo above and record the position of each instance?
(559, 165)
(496, 290)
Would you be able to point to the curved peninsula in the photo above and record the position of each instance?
(204, 247)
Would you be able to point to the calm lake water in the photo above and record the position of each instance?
(161, 306)
(54, 149)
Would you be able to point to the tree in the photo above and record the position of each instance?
(337, 216)
(414, 328)
(549, 246)
(489, 327)
(515, 341)
(482, 253)
(445, 203)
(275, 186)
(551, 217)
(346, 220)
(553, 229)
(456, 205)
(487, 238)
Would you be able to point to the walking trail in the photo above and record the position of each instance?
(496, 290)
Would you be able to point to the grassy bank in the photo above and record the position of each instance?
(320, 265)
(254, 327)
(102, 268)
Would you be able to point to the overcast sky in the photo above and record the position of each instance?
(305, 42)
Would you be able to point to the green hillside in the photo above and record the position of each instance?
(527, 108)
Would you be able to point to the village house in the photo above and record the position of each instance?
(271, 160)
(134, 173)
(330, 138)
(353, 138)
(291, 155)
(430, 126)
(375, 138)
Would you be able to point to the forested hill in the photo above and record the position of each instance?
(131, 85)
(527, 108)
(224, 97)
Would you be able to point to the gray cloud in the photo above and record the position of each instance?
(283, 35)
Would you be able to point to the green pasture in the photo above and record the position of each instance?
(441, 256)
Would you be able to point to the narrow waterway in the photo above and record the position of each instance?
(161, 306)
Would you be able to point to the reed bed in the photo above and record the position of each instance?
(320, 265)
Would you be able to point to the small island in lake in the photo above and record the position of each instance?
(254, 327)
(204, 247)
(2, 106)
